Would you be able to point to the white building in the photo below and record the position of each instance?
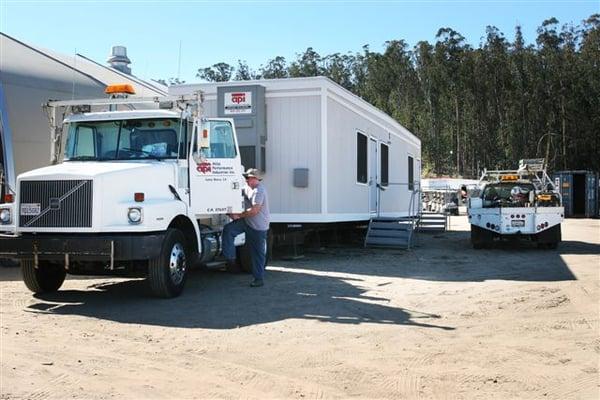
(29, 77)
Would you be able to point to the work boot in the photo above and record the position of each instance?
(257, 283)
(233, 267)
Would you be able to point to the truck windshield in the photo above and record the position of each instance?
(156, 138)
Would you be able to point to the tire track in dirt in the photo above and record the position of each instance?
(408, 383)
(585, 386)
(53, 387)
(255, 379)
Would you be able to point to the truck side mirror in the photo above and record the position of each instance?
(201, 145)
(204, 136)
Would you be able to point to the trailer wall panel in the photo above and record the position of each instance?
(345, 195)
(293, 126)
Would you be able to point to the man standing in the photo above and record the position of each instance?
(254, 222)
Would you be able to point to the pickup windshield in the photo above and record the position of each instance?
(507, 194)
(124, 140)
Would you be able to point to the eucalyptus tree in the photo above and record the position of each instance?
(275, 69)
(219, 72)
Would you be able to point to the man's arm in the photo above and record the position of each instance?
(251, 212)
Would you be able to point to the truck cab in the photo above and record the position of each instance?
(514, 204)
(139, 193)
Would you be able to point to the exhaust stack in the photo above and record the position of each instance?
(119, 60)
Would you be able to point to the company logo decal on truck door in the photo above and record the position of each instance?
(204, 167)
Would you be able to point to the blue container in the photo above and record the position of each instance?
(579, 190)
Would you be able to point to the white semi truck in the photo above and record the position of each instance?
(138, 193)
(516, 203)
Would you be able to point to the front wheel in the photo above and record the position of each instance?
(168, 272)
(46, 278)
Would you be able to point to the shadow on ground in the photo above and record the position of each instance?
(326, 285)
(219, 300)
(450, 257)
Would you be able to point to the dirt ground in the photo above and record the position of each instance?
(442, 321)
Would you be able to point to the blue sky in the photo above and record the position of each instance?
(256, 31)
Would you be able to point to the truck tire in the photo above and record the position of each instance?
(480, 238)
(550, 238)
(244, 256)
(168, 272)
(46, 278)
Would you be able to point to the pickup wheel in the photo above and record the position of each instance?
(167, 273)
(550, 238)
(47, 277)
(480, 238)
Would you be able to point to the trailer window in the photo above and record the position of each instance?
(411, 173)
(361, 158)
(384, 165)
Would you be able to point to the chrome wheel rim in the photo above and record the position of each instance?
(177, 263)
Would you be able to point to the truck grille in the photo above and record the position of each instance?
(56, 204)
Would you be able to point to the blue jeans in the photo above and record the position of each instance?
(256, 240)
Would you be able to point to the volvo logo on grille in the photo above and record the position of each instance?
(54, 203)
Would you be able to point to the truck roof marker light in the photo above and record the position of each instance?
(138, 197)
(205, 133)
(119, 89)
(9, 198)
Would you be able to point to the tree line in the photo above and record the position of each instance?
(472, 107)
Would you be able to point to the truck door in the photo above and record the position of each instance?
(215, 168)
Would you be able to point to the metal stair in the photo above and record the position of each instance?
(395, 232)
(432, 222)
(390, 232)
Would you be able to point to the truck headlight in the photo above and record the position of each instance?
(5, 216)
(134, 215)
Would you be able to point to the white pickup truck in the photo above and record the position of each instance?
(521, 203)
(138, 193)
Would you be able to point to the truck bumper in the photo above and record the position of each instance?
(84, 247)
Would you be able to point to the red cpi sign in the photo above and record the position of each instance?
(204, 167)
(238, 98)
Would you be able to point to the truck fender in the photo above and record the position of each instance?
(190, 230)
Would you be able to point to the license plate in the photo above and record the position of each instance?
(518, 223)
(30, 209)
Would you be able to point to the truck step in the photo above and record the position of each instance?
(216, 264)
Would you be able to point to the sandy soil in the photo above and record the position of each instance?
(441, 321)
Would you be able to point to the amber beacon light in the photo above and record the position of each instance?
(119, 89)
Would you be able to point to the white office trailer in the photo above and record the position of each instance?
(328, 156)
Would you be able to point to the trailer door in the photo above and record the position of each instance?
(590, 195)
(215, 168)
(566, 191)
(373, 187)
